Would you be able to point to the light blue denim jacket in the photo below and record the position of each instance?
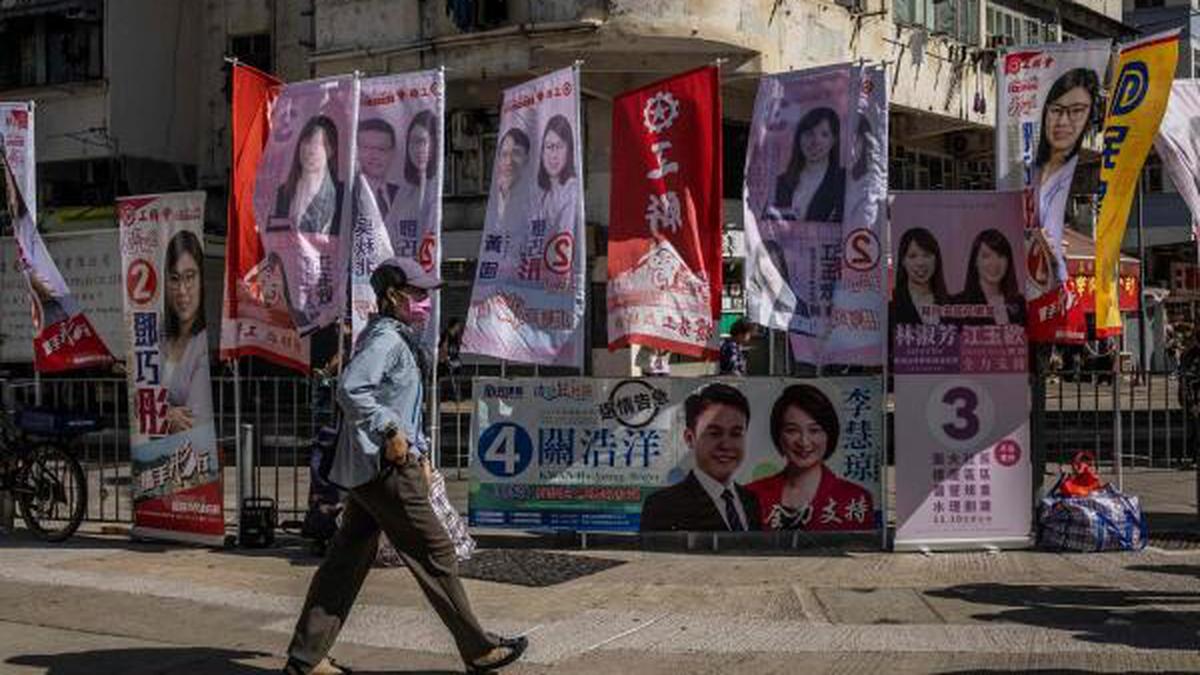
(380, 386)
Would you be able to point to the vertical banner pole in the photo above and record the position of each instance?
(1117, 431)
(1141, 309)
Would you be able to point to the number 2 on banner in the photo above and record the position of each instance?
(960, 414)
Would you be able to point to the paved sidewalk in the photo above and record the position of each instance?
(100, 604)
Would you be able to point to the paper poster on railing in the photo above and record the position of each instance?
(674, 454)
(176, 475)
(528, 299)
(63, 338)
(816, 187)
(398, 195)
(963, 451)
(1050, 102)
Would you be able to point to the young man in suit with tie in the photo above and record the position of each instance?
(708, 499)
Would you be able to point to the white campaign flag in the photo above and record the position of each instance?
(814, 263)
(528, 300)
(398, 189)
(1178, 144)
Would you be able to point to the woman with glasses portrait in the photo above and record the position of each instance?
(185, 337)
(1070, 111)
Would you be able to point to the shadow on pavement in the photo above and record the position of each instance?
(1059, 671)
(1180, 570)
(1104, 615)
(157, 660)
(21, 539)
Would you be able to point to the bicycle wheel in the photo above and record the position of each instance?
(52, 493)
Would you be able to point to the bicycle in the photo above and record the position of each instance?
(45, 479)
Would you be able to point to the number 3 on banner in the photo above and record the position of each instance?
(960, 414)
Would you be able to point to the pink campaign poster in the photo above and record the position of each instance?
(963, 476)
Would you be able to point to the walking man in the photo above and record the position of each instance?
(380, 460)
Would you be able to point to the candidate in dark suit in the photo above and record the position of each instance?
(709, 499)
(376, 143)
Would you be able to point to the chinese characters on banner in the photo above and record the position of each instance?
(176, 467)
(254, 318)
(816, 185)
(63, 337)
(398, 192)
(1050, 102)
(1144, 72)
(962, 456)
(528, 300)
(623, 455)
(1178, 144)
(664, 250)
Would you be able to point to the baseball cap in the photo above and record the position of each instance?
(411, 273)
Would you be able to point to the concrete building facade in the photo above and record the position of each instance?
(159, 97)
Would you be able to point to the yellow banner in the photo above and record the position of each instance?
(1136, 102)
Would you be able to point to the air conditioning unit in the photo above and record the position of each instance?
(964, 145)
(464, 131)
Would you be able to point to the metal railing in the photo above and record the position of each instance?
(1078, 411)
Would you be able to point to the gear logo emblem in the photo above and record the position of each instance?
(660, 112)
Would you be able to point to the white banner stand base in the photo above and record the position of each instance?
(927, 546)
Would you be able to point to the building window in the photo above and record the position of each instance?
(1006, 28)
(471, 15)
(956, 19)
(1148, 4)
(253, 50)
(736, 138)
(50, 49)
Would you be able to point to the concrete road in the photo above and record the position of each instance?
(104, 605)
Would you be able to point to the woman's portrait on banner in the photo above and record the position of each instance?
(185, 335)
(311, 199)
(411, 210)
(992, 282)
(806, 494)
(812, 187)
(1073, 108)
(920, 289)
(557, 179)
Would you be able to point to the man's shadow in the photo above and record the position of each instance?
(158, 660)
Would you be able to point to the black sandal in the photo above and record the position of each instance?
(516, 648)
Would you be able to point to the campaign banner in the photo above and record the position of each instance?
(528, 300)
(398, 190)
(1178, 144)
(176, 472)
(664, 242)
(90, 263)
(255, 316)
(1050, 101)
(963, 470)
(963, 474)
(1082, 281)
(1145, 70)
(815, 212)
(63, 336)
(677, 454)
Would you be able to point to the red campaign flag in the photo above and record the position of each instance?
(664, 250)
(252, 323)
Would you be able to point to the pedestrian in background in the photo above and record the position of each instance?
(733, 348)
